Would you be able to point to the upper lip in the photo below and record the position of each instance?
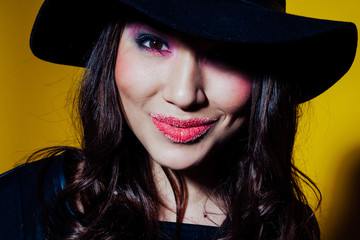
(183, 123)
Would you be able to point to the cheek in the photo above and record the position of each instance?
(136, 78)
(231, 91)
(137, 75)
(128, 76)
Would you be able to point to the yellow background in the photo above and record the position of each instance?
(34, 111)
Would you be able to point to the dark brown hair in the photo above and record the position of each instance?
(110, 191)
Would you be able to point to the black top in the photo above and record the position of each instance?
(21, 203)
(188, 231)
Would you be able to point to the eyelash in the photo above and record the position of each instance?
(144, 42)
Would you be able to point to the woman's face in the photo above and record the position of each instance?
(180, 101)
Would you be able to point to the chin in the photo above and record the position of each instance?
(177, 160)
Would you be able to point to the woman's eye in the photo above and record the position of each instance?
(151, 42)
(154, 44)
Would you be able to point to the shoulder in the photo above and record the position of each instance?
(34, 174)
(15, 175)
(23, 190)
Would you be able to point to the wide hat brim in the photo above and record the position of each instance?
(312, 53)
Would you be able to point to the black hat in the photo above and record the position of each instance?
(313, 53)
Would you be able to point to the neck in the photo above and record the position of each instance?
(202, 205)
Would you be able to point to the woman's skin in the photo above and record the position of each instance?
(181, 104)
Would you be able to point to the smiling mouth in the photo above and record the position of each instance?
(182, 130)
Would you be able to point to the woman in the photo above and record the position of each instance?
(188, 121)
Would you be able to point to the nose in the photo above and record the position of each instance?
(184, 88)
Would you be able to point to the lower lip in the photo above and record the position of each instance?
(181, 135)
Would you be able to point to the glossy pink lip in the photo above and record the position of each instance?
(182, 130)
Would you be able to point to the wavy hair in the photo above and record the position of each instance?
(111, 193)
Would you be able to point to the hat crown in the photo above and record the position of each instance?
(277, 5)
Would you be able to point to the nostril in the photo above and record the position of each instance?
(188, 101)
